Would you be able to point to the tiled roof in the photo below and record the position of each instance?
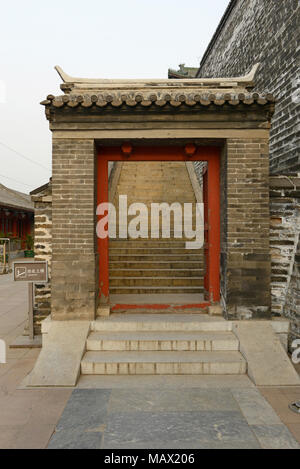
(14, 199)
(199, 92)
(158, 99)
(70, 84)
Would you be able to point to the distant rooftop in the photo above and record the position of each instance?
(183, 72)
(14, 199)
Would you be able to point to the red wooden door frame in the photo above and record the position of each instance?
(211, 197)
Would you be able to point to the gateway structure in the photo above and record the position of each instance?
(101, 127)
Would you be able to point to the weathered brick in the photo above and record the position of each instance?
(266, 32)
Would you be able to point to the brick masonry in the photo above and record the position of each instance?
(284, 243)
(245, 249)
(43, 251)
(239, 126)
(265, 31)
(74, 266)
(246, 254)
(285, 249)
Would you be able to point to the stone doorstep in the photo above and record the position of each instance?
(165, 324)
(161, 322)
(143, 363)
(162, 341)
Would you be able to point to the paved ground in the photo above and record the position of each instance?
(27, 417)
(165, 418)
(180, 412)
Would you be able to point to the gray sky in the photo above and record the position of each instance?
(87, 38)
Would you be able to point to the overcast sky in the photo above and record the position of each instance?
(87, 38)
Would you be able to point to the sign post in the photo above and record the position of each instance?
(31, 272)
(30, 311)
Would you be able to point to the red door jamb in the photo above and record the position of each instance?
(102, 244)
(212, 210)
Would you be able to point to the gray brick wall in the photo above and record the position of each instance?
(43, 252)
(285, 249)
(74, 266)
(266, 31)
(246, 262)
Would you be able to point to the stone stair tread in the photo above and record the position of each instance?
(189, 261)
(163, 318)
(153, 248)
(141, 287)
(160, 270)
(162, 335)
(157, 278)
(164, 357)
(156, 255)
(161, 322)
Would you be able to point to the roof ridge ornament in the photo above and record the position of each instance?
(69, 83)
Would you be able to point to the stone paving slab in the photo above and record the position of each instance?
(167, 400)
(255, 408)
(163, 418)
(164, 381)
(275, 437)
(203, 427)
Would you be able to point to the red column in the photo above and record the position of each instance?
(214, 237)
(15, 225)
(102, 197)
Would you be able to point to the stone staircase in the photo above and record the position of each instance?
(132, 344)
(155, 266)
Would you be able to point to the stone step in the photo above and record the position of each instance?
(161, 322)
(163, 363)
(158, 188)
(158, 264)
(156, 257)
(155, 281)
(136, 251)
(162, 341)
(127, 176)
(126, 290)
(141, 243)
(151, 242)
(153, 272)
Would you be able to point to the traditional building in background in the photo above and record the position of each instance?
(16, 218)
(183, 72)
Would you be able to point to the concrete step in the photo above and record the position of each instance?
(161, 322)
(126, 290)
(155, 281)
(153, 272)
(162, 341)
(166, 363)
